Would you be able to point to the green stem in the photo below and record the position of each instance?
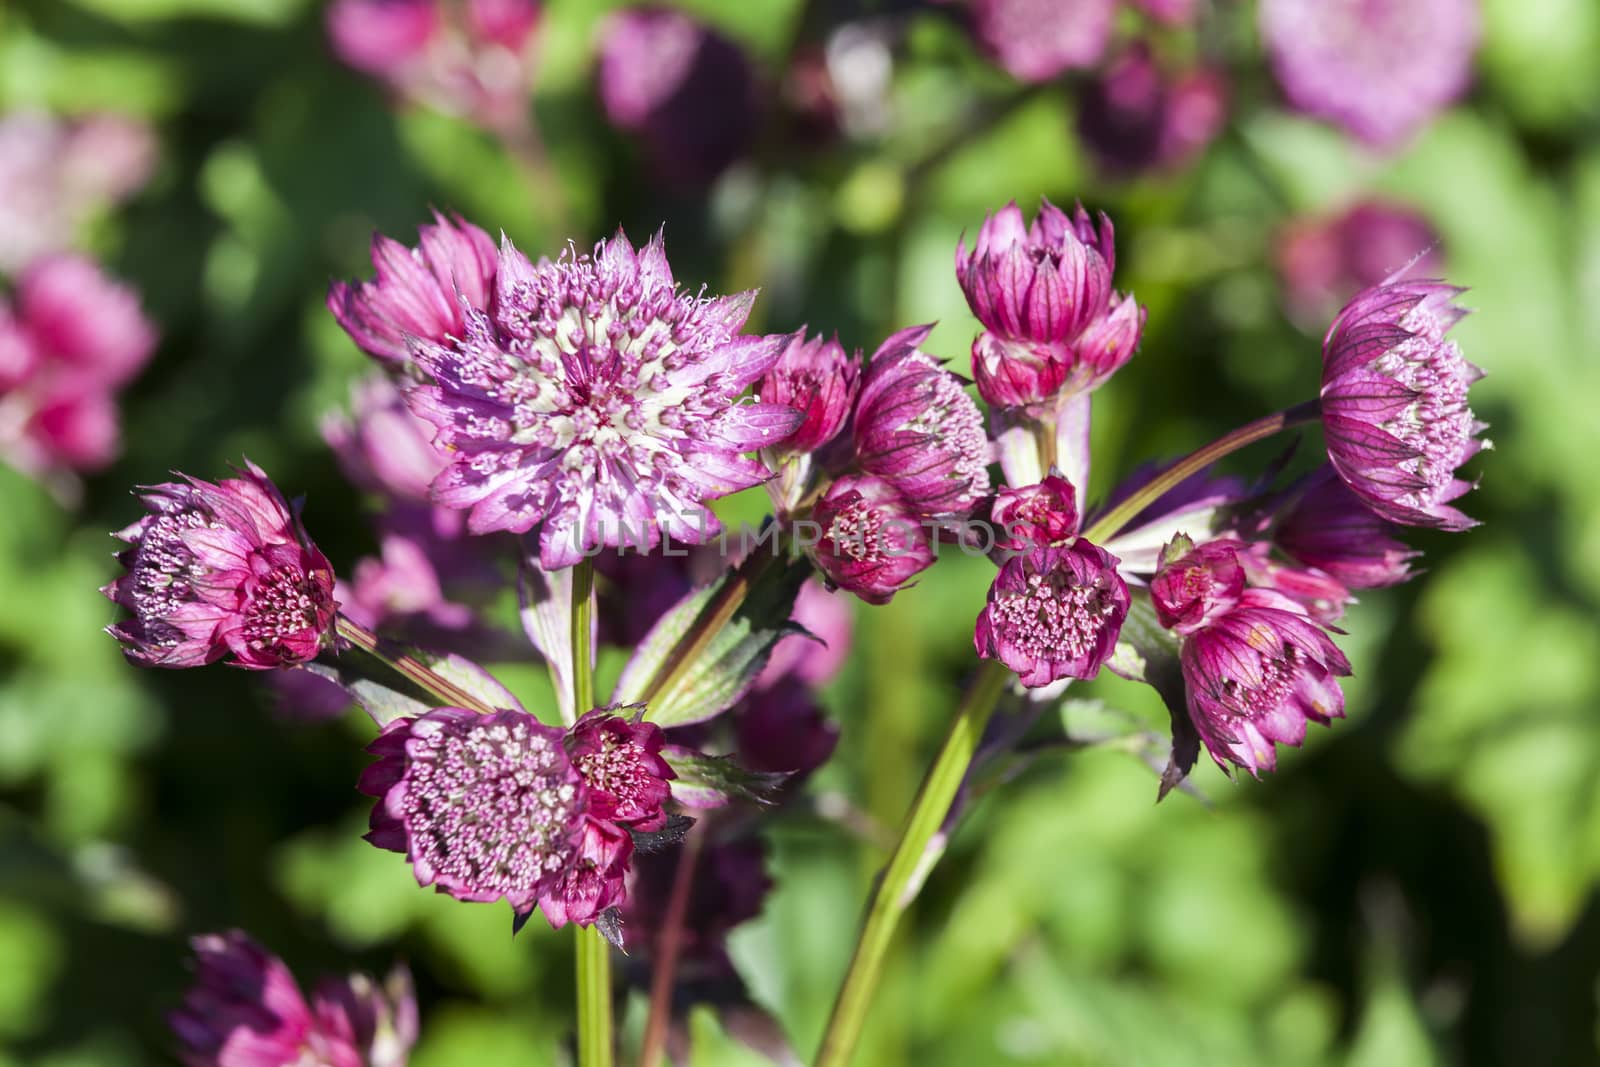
(1111, 523)
(898, 883)
(408, 666)
(593, 953)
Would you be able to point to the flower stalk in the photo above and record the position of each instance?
(595, 1044)
(903, 876)
(408, 666)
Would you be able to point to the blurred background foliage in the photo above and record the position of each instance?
(1417, 886)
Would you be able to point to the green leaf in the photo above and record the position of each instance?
(712, 781)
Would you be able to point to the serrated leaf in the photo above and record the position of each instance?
(702, 657)
(712, 781)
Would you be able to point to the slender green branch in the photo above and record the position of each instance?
(595, 1045)
(1111, 523)
(408, 666)
(898, 883)
(582, 630)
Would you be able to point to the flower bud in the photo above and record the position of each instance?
(1196, 584)
(1036, 516)
(871, 541)
(817, 379)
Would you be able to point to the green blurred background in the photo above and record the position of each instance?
(1417, 886)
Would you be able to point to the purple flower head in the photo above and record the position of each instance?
(730, 885)
(245, 1010)
(819, 380)
(687, 92)
(594, 879)
(1255, 675)
(382, 37)
(916, 427)
(381, 446)
(506, 23)
(871, 539)
(620, 763)
(597, 403)
(1329, 528)
(1136, 117)
(1195, 584)
(1036, 40)
(1043, 292)
(1054, 613)
(782, 730)
(421, 294)
(221, 570)
(484, 806)
(1324, 262)
(1394, 403)
(1036, 516)
(1379, 68)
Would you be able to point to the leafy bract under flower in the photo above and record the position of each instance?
(597, 404)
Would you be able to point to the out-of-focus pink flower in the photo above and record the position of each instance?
(815, 659)
(82, 318)
(382, 37)
(381, 446)
(1036, 40)
(687, 92)
(245, 1010)
(916, 427)
(221, 570)
(1394, 403)
(729, 887)
(507, 23)
(1054, 613)
(871, 540)
(782, 730)
(1323, 262)
(598, 404)
(420, 294)
(1255, 675)
(1136, 117)
(1379, 68)
(1329, 528)
(620, 762)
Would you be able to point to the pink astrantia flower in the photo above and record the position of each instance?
(1043, 293)
(818, 379)
(382, 37)
(1394, 403)
(484, 806)
(1036, 516)
(221, 570)
(1054, 613)
(594, 879)
(688, 93)
(620, 762)
(598, 404)
(1195, 584)
(1255, 675)
(506, 23)
(1036, 40)
(245, 1010)
(1379, 68)
(1329, 528)
(871, 539)
(916, 427)
(420, 294)
(1323, 262)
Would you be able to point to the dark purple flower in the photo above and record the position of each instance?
(1394, 403)
(594, 879)
(421, 294)
(782, 730)
(1196, 583)
(1324, 262)
(687, 92)
(1036, 40)
(916, 427)
(222, 570)
(620, 763)
(598, 404)
(1329, 528)
(1036, 516)
(1136, 117)
(382, 37)
(1043, 293)
(730, 885)
(1255, 675)
(871, 540)
(819, 380)
(1054, 613)
(245, 1010)
(484, 806)
(1379, 68)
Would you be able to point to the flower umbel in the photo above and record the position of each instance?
(221, 570)
(620, 762)
(1394, 403)
(1054, 613)
(597, 403)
